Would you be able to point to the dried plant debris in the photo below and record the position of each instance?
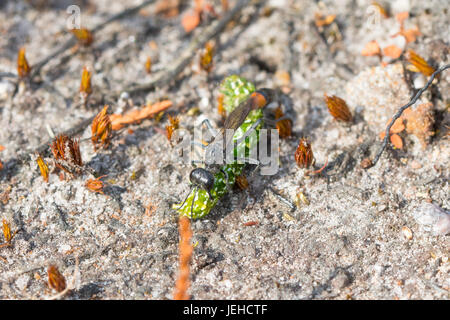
(95, 185)
(118, 121)
(67, 155)
(23, 68)
(148, 65)
(101, 129)
(42, 167)
(185, 253)
(8, 237)
(206, 57)
(85, 85)
(304, 155)
(56, 280)
(283, 126)
(83, 35)
(338, 108)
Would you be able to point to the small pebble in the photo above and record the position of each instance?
(407, 233)
(433, 218)
(22, 282)
(419, 81)
(415, 164)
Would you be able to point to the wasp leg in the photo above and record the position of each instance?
(190, 190)
(273, 122)
(283, 199)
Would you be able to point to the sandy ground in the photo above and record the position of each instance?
(347, 241)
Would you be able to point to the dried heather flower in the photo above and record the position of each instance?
(95, 185)
(83, 35)
(220, 108)
(101, 129)
(174, 125)
(23, 68)
(338, 108)
(304, 155)
(7, 234)
(206, 58)
(148, 65)
(284, 127)
(42, 167)
(67, 154)
(418, 64)
(55, 279)
(6, 231)
(85, 86)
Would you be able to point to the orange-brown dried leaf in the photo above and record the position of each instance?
(43, 168)
(320, 21)
(392, 51)
(206, 58)
(420, 122)
(23, 68)
(95, 185)
(1, 165)
(185, 252)
(371, 49)
(190, 21)
(6, 231)
(220, 107)
(83, 35)
(284, 126)
(419, 63)
(148, 65)
(304, 155)
(55, 279)
(410, 34)
(101, 129)
(85, 85)
(118, 121)
(174, 124)
(338, 108)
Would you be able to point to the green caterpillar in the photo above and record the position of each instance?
(236, 90)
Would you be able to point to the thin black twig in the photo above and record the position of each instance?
(400, 111)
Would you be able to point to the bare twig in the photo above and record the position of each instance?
(400, 111)
(185, 250)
